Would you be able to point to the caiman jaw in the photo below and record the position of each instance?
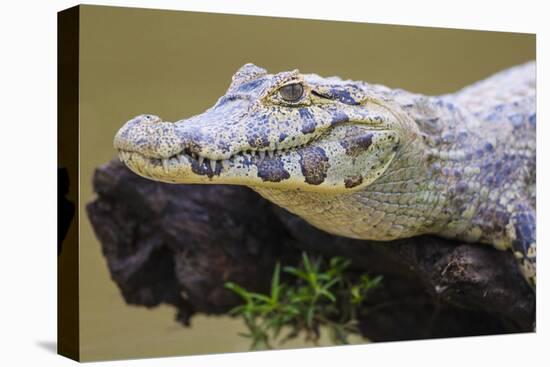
(210, 166)
(186, 157)
(325, 164)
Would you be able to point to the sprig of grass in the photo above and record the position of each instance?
(318, 293)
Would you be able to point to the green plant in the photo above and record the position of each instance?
(318, 293)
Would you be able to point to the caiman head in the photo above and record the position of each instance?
(282, 131)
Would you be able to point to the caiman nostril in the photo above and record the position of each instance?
(151, 119)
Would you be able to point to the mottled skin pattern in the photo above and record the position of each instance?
(362, 160)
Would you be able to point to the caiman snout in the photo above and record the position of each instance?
(200, 139)
(149, 136)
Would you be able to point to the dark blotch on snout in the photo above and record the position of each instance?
(190, 141)
(343, 95)
(314, 164)
(339, 117)
(250, 85)
(357, 145)
(308, 127)
(353, 181)
(257, 140)
(272, 170)
(204, 169)
(308, 121)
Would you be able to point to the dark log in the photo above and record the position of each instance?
(179, 244)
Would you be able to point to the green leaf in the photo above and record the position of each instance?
(296, 272)
(324, 276)
(236, 310)
(368, 283)
(327, 294)
(332, 282)
(275, 288)
(291, 310)
(338, 265)
(261, 297)
(312, 278)
(307, 264)
(300, 298)
(239, 290)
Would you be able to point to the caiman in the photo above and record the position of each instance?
(362, 160)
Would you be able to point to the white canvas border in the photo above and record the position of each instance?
(28, 87)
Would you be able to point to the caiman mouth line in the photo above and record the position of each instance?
(191, 157)
(256, 155)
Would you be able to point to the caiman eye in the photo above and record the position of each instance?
(292, 92)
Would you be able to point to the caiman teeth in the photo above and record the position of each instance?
(186, 156)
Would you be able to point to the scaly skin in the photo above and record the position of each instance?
(362, 160)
